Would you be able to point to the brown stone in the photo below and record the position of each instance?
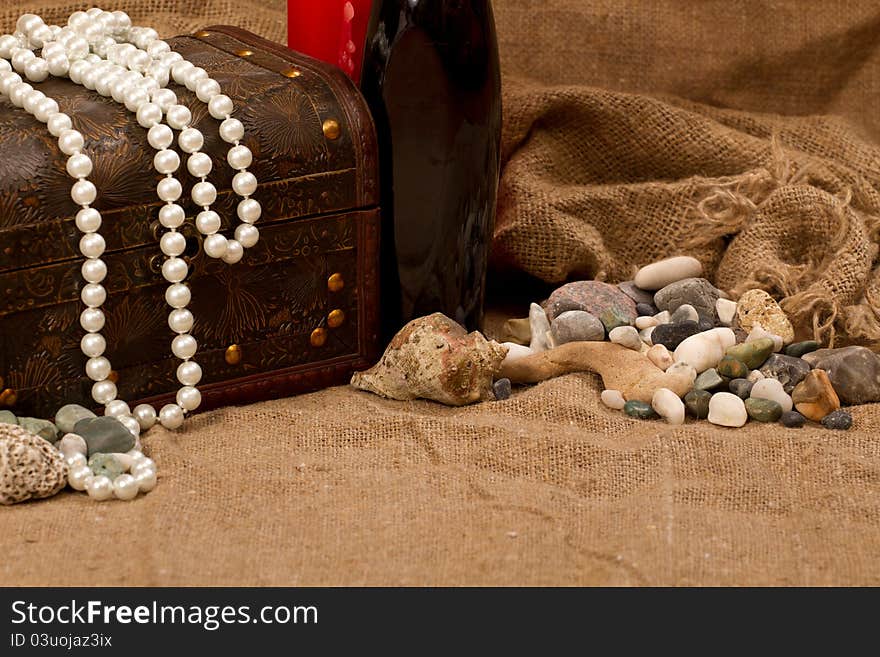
(814, 397)
(518, 331)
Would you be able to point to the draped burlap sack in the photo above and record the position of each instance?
(342, 487)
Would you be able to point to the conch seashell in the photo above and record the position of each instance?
(30, 468)
(434, 358)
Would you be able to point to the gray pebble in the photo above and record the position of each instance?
(742, 388)
(684, 312)
(42, 428)
(67, 417)
(576, 326)
(709, 380)
(839, 419)
(788, 370)
(646, 309)
(697, 292)
(637, 294)
(792, 420)
(104, 435)
(502, 389)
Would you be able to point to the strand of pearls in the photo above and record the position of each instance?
(103, 52)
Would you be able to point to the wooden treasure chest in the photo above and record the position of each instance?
(299, 312)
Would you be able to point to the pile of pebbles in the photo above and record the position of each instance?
(742, 355)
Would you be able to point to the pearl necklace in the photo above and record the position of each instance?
(103, 52)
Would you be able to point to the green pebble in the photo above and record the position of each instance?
(611, 319)
(798, 349)
(7, 417)
(709, 380)
(67, 416)
(106, 464)
(104, 435)
(753, 353)
(42, 428)
(732, 368)
(763, 410)
(697, 403)
(639, 409)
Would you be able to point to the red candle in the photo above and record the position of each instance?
(331, 30)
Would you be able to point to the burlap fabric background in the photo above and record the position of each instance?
(342, 487)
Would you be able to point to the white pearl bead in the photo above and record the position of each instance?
(215, 245)
(208, 222)
(234, 252)
(116, 408)
(100, 488)
(160, 136)
(178, 116)
(193, 76)
(125, 487)
(147, 480)
(146, 417)
(44, 109)
(178, 295)
(104, 82)
(118, 54)
(174, 270)
(189, 398)
(59, 65)
(118, 88)
(83, 192)
(5, 66)
(164, 98)
(199, 165)
(58, 123)
(170, 58)
(244, 183)
(171, 215)
(239, 157)
(94, 270)
(219, 107)
(204, 194)
(51, 49)
(7, 43)
(93, 295)
(172, 243)
(169, 189)
(37, 69)
(249, 210)
(28, 22)
(191, 140)
(138, 61)
(123, 22)
(78, 19)
(8, 81)
(135, 97)
(231, 130)
(98, 368)
(19, 93)
(148, 115)
(247, 234)
(77, 477)
(184, 346)
(77, 48)
(134, 428)
(74, 459)
(160, 73)
(32, 99)
(171, 417)
(92, 245)
(79, 165)
(104, 392)
(178, 69)
(21, 58)
(180, 320)
(158, 48)
(40, 36)
(70, 142)
(206, 89)
(166, 161)
(189, 373)
(93, 344)
(90, 77)
(76, 70)
(92, 320)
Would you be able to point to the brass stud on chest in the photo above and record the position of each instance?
(318, 337)
(232, 355)
(331, 129)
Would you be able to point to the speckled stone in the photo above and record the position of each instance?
(742, 388)
(753, 354)
(837, 420)
(605, 301)
(107, 465)
(792, 420)
(763, 410)
(502, 389)
(697, 403)
(758, 307)
(30, 468)
(705, 325)
(639, 409)
(799, 349)
(710, 380)
(672, 335)
(732, 368)
(788, 370)
(697, 292)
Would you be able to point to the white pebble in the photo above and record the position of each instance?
(515, 352)
(660, 356)
(663, 317)
(677, 368)
(72, 444)
(706, 349)
(626, 336)
(668, 405)
(727, 410)
(613, 399)
(759, 332)
(726, 309)
(662, 273)
(772, 389)
(755, 376)
(645, 335)
(540, 325)
(646, 322)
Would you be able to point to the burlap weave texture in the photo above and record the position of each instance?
(549, 487)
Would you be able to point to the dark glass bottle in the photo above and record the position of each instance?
(432, 80)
